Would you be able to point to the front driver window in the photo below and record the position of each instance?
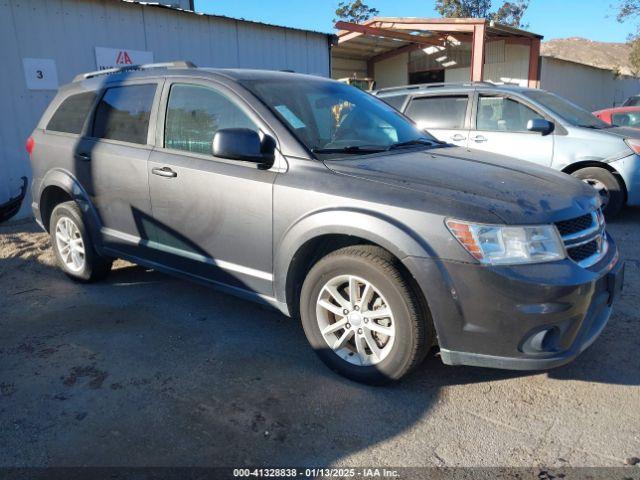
(195, 113)
(503, 114)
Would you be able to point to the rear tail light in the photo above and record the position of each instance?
(634, 144)
(30, 145)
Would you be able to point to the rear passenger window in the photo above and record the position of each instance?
(123, 113)
(72, 113)
(439, 112)
(195, 114)
(395, 101)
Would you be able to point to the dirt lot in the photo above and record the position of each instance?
(145, 369)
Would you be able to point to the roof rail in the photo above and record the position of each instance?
(133, 68)
(424, 86)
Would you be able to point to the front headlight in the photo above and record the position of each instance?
(508, 245)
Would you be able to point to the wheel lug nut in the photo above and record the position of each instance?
(360, 331)
(366, 320)
(345, 311)
(348, 325)
(356, 308)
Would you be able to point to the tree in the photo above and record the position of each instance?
(355, 11)
(628, 9)
(510, 13)
(634, 55)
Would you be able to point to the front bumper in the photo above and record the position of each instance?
(525, 317)
(629, 170)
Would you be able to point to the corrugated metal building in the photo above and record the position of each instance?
(45, 43)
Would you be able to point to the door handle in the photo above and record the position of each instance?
(164, 172)
(479, 139)
(458, 138)
(85, 157)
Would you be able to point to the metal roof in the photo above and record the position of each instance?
(193, 12)
(398, 32)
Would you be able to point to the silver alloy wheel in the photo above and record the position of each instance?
(355, 320)
(69, 244)
(602, 189)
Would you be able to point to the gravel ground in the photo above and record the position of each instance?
(144, 369)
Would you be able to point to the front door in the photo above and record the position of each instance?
(443, 116)
(500, 126)
(111, 162)
(212, 217)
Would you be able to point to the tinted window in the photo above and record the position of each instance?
(631, 119)
(123, 113)
(396, 101)
(195, 114)
(439, 112)
(503, 114)
(72, 113)
(632, 102)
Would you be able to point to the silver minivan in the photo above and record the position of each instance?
(529, 124)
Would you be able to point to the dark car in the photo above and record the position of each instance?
(321, 200)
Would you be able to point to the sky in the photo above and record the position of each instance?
(592, 19)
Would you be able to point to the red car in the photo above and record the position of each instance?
(621, 116)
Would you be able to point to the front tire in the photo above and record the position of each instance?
(73, 247)
(610, 190)
(362, 317)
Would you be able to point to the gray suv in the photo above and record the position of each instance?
(529, 124)
(323, 201)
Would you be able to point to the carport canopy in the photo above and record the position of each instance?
(381, 38)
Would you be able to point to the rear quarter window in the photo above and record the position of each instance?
(396, 101)
(72, 113)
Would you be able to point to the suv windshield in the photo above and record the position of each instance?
(566, 110)
(334, 119)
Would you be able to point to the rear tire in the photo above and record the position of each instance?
(609, 187)
(73, 247)
(374, 329)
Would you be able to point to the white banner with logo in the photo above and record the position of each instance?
(121, 57)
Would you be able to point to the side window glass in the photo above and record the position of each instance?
(72, 113)
(439, 112)
(395, 101)
(626, 119)
(123, 113)
(503, 115)
(195, 113)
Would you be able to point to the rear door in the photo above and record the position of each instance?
(212, 217)
(445, 116)
(500, 126)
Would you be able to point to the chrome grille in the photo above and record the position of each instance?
(584, 238)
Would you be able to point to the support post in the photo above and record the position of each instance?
(477, 52)
(534, 63)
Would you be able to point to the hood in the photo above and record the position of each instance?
(623, 132)
(467, 184)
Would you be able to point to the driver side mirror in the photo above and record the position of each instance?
(540, 125)
(245, 145)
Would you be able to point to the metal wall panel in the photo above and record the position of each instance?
(69, 30)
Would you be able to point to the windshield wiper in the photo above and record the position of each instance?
(355, 149)
(417, 141)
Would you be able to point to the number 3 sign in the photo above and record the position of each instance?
(40, 73)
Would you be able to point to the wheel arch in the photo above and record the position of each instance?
(574, 167)
(317, 235)
(60, 186)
